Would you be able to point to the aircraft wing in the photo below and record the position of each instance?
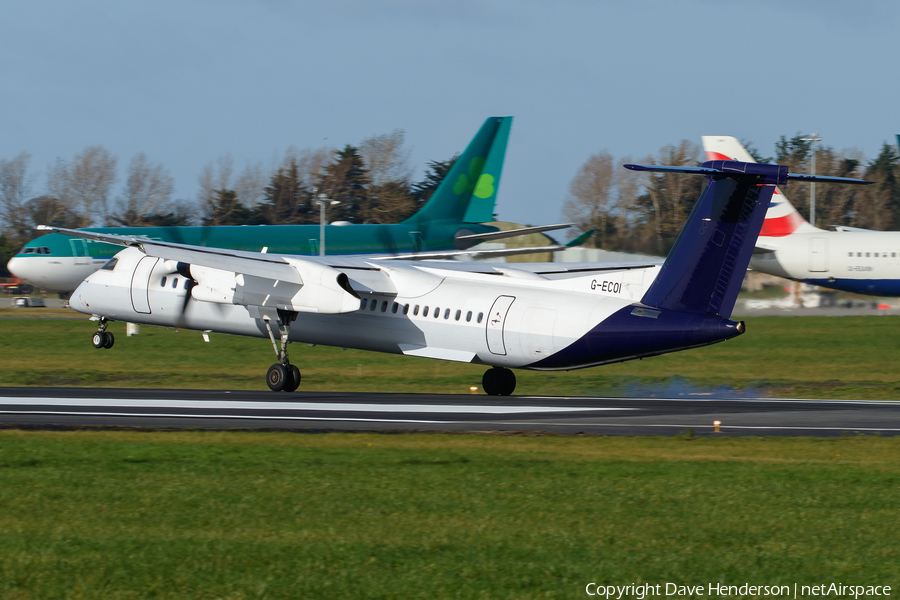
(246, 278)
(240, 261)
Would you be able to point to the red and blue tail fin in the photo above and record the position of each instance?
(782, 219)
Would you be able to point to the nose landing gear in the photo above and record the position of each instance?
(282, 376)
(498, 382)
(103, 338)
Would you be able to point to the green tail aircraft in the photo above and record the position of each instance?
(450, 220)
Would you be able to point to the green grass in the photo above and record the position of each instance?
(268, 515)
(809, 357)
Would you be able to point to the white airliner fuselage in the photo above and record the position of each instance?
(506, 317)
(863, 262)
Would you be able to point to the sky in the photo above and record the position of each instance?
(189, 82)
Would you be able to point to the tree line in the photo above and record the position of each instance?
(643, 212)
(631, 211)
(371, 181)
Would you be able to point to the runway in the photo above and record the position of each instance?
(321, 411)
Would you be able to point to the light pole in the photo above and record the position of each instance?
(323, 201)
(812, 139)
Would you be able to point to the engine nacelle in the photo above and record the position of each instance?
(213, 285)
(320, 289)
(325, 289)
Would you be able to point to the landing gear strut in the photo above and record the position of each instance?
(498, 382)
(282, 376)
(103, 338)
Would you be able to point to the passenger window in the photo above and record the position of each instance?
(187, 284)
(373, 305)
(468, 316)
(363, 303)
(458, 314)
(867, 255)
(384, 306)
(110, 264)
(858, 254)
(394, 308)
(480, 317)
(416, 310)
(163, 282)
(437, 313)
(850, 254)
(447, 314)
(406, 309)
(876, 255)
(425, 312)
(175, 283)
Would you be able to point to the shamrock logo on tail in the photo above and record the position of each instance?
(465, 183)
(485, 186)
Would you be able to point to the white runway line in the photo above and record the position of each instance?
(884, 403)
(295, 406)
(235, 417)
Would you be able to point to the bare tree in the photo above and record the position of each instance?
(14, 191)
(148, 189)
(385, 158)
(214, 181)
(591, 195)
(83, 186)
(629, 185)
(250, 185)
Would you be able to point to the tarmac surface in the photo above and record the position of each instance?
(319, 411)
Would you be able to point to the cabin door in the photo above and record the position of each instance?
(80, 251)
(140, 285)
(496, 319)
(818, 255)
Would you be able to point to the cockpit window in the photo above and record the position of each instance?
(43, 250)
(29, 250)
(110, 264)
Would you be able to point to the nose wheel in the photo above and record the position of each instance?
(498, 382)
(103, 338)
(282, 376)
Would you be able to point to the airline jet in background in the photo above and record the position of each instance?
(849, 259)
(543, 316)
(450, 220)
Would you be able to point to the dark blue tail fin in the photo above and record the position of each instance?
(705, 267)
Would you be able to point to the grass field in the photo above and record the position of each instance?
(809, 357)
(270, 515)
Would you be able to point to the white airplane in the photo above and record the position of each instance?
(849, 259)
(548, 317)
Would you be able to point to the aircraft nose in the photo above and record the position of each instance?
(79, 299)
(15, 265)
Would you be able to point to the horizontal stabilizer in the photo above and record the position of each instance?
(581, 239)
(719, 168)
(475, 238)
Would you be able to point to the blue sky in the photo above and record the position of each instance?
(188, 82)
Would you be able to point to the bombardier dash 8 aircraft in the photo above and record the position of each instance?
(548, 317)
(849, 259)
(450, 220)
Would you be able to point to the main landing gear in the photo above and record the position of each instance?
(282, 376)
(103, 338)
(498, 382)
